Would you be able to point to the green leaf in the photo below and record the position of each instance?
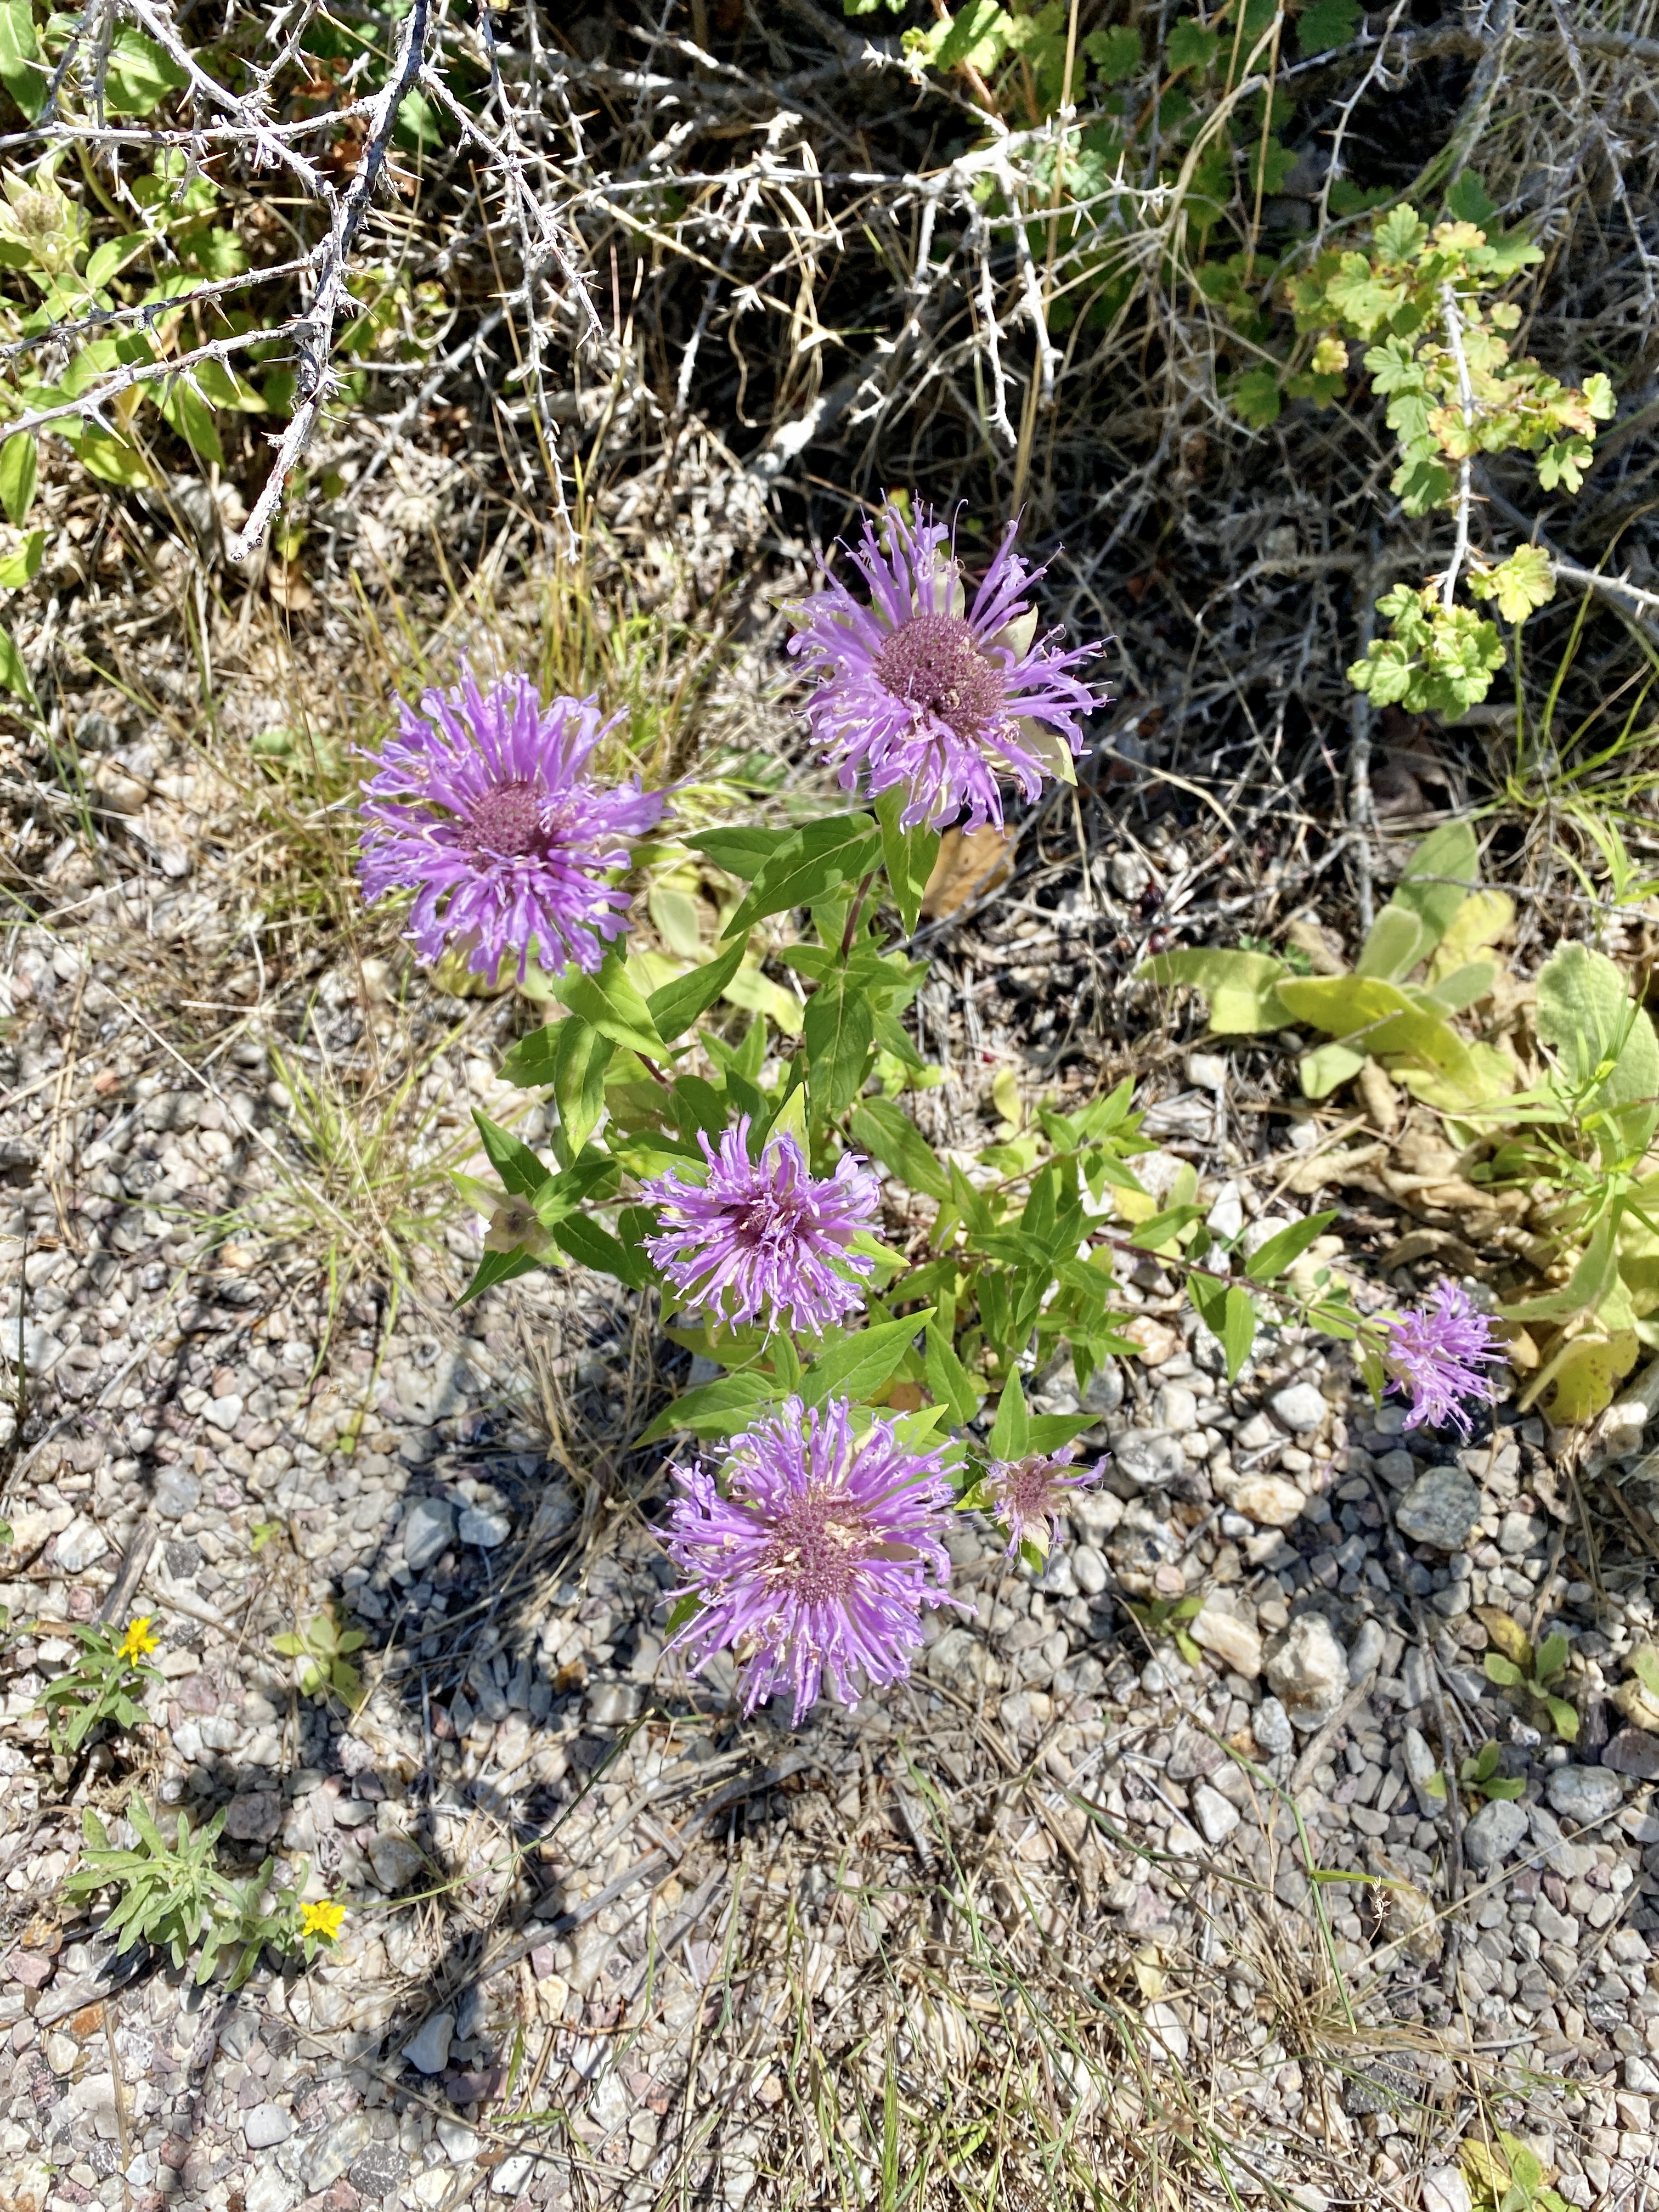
(496, 1267)
(837, 848)
(676, 1006)
(14, 676)
(581, 1057)
(888, 1135)
(1397, 941)
(684, 1611)
(1564, 1718)
(20, 566)
(1523, 584)
(860, 1365)
(1448, 853)
(1469, 200)
(609, 1003)
(1115, 52)
(948, 1380)
(19, 459)
(1243, 987)
(1585, 1012)
(741, 852)
(1331, 1064)
(1256, 398)
(713, 1409)
(21, 69)
(1189, 46)
(596, 1247)
(840, 1029)
(1269, 1260)
(1504, 1671)
(1324, 24)
(909, 854)
(1011, 1432)
(519, 1168)
(1644, 1665)
(139, 76)
(1551, 1657)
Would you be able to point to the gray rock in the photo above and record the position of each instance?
(1634, 1752)
(266, 2126)
(1270, 1724)
(1300, 1406)
(346, 2138)
(428, 1532)
(613, 1703)
(81, 1543)
(1309, 1672)
(176, 1493)
(1641, 2076)
(428, 2052)
(1103, 1391)
(1176, 1408)
(1441, 1508)
(395, 1859)
(1214, 1813)
(254, 1816)
(1496, 1829)
(1584, 1793)
(1088, 1570)
(1150, 1457)
(1366, 1652)
(482, 1526)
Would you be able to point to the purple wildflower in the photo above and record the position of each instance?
(917, 692)
(1028, 1496)
(820, 1554)
(482, 807)
(763, 1237)
(1433, 1353)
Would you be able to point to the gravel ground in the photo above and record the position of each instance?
(1020, 1922)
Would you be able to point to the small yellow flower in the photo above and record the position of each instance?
(138, 1642)
(325, 1919)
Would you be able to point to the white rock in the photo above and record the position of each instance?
(270, 2189)
(481, 1526)
(81, 1543)
(1166, 2034)
(511, 2175)
(1300, 1406)
(1584, 1793)
(1445, 2190)
(1216, 1816)
(396, 1860)
(224, 1413)
(1176, 1408)
(1498, 1828)
(267, 2126)
(1270, 1724)
(460, 2141)
(1149, 1457)
(428, 1532)
(1309, 1672)
(1088, 1569)
(1229, 1640)
(1269, 1500)
(428, 2052)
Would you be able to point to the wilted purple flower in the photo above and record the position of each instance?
(921, 690)
(482, 807)
(1028, 1496)
(820, 1554)
(764, 1238)
(1433, 1354)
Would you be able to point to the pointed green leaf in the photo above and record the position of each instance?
(948, 1380)
(1439, 876)
(1010, 1431)
(18, 457)
(609, 1003)
(1270, 1258)
(840, 1030)
(909, 854)
(862, 1364)
(888, 1135)
(837, 848)
(719, 1408)
(676, 1006)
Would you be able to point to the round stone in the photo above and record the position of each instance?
(1267, 1499)
(1300, 1406)
(428, 1532)
(267, 2126)
(1270, 1724)
(1309, 1672)
(1497, 1830)
(477, 1525)
(1584, 1793)
(1441, 1508)
(1150, 1457)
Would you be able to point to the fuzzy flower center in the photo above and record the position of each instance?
(932, 661)
(816, 1544)
(1026, 1490)
(506, 820)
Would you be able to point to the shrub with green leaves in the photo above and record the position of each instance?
(102, 1684)
(175, 1896)
(323, 1648)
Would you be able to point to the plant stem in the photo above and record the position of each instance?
(1453, 317)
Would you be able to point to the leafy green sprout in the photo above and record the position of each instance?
(1519, 1666)
(323, 1648)
(1479, 1775)
(1506, 2176)
(174, 1896)
(1163, 1616)
(100, 1685)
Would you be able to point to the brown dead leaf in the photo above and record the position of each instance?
(1324, 955)
(1506, 1632)
(286, 583)
(970, 863)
